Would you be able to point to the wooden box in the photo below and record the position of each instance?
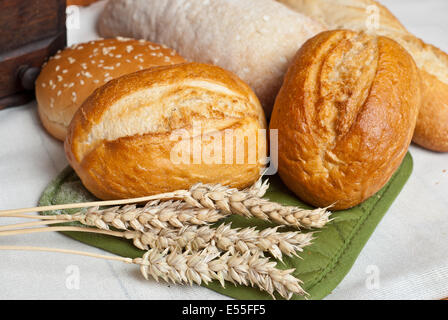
(30, 32)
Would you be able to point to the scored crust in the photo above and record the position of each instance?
(345, 115)
(75, 72)
(120, 141)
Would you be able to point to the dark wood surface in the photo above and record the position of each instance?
(30, 32)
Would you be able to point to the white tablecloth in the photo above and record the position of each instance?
(407, 252)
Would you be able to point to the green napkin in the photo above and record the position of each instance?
(321, 266)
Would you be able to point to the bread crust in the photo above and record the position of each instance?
(432, 126)
(120, 140)
(73, 74)
(345, 117)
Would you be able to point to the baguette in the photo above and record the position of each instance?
(256, 39)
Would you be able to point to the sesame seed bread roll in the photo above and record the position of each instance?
(74, 73)
(164, 129)
(345, 117)
(255, 39)
(431, 131)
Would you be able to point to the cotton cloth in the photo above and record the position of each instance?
(406, 257)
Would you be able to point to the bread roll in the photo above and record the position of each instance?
(432, 126)
(125, 142)
(73, 74)
(256, 39)
(345, 117)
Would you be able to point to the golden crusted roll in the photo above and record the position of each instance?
(166, 128)
(345, 117)
(431, 131)
(74, 73)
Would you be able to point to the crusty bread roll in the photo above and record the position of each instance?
(256, 39)
(432, 126)
(73, 74)
(345, 114)
(125, 142)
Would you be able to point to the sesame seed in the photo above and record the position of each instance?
(96, 81)
(81, 82)
(129, 49)
(57, 68)
(43, 85)
(64, 71)
(59, 93)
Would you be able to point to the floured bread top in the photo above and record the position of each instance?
(255, 39)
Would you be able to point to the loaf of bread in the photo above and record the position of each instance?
(73, 74)
(256, 39)
(432, 126)
(345, 117)
(167, 128)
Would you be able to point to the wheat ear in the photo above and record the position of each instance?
(225, 238)
(154, 214)
(225, 199)
(248, 204)
(204, 266)
(209, 264)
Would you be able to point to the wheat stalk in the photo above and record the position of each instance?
(227, 200)
(190, 237)
(204, 266)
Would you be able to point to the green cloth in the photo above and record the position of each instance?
(321, 266)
